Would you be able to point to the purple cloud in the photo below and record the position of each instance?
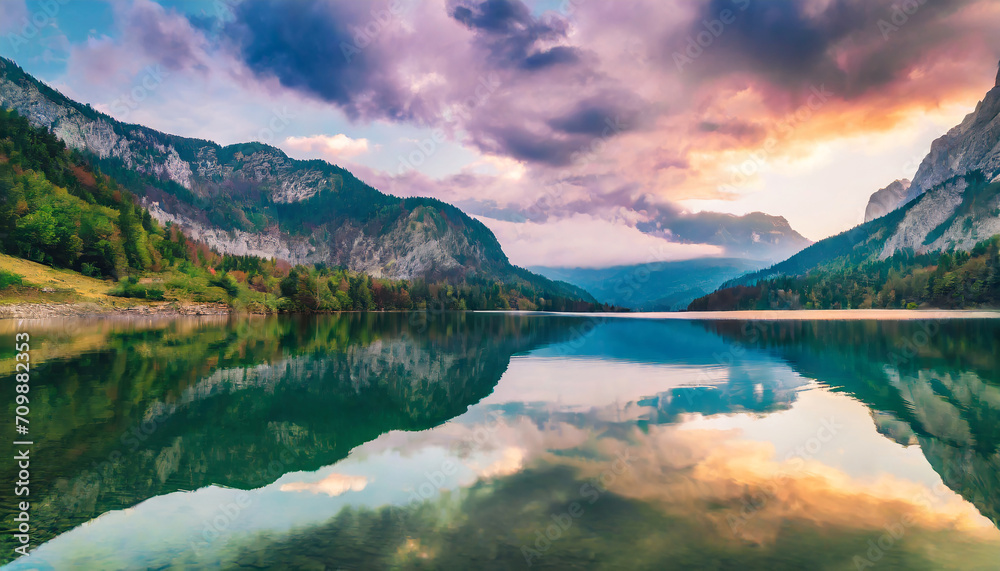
(589, 103)
(513, 37)
(330, 50)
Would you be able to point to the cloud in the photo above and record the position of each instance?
(336, 51)
(583, 241)
(510, 462)
(150, 34)
(152, 41)
(581, 111)
(13, 14)
(849, 46)
(594, 117)
(514, 37)
(412, 65)
(555, 56)
(332, 485)
(331, 148)
(167, 37)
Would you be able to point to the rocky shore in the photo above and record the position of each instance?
(169, 308)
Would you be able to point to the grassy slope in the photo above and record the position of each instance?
(68, 285)
(73, 287)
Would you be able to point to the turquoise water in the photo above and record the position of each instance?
(498, 441)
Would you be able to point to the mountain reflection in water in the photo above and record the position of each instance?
(498, 441)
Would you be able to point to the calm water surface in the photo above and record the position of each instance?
(491, 441)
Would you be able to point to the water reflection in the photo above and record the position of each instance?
(933, 383)
(591, 444)
(134, 410)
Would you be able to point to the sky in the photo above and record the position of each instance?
(563, 125)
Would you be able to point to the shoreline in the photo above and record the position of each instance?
(47, 310)
(809, 315)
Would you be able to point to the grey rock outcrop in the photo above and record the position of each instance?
(923, 218)
(972, 145)
(887, 199)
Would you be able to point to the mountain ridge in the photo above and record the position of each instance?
(755, 236)
(957, 212)
(886, 200)
(972, 145)
(969, 146)
(252, 199)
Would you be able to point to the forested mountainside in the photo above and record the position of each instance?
(58, 210)
(903, 281)
(252, 199)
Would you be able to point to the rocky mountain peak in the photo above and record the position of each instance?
(968, 147)
(887, 199)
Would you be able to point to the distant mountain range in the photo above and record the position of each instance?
(252, 199)
(755, 236)
(660, 286)
(750, 242)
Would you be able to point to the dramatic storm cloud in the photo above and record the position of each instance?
(512, 36)
(327, 49)
(559, 120)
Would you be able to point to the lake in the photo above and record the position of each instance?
(507, 441)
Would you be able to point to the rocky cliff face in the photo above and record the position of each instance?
(887, 199)
(253, 199)
(958, 186)
(80, 127)
(974, 145)
(957, 214)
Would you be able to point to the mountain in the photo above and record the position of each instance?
(662, 286)
(970, 146)
(949, 280)
(939, 249)
(958, 214)
(56, 210)
(756, 236)
(749, 242)
(887, 199)
(953, 204)
(252, 199)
